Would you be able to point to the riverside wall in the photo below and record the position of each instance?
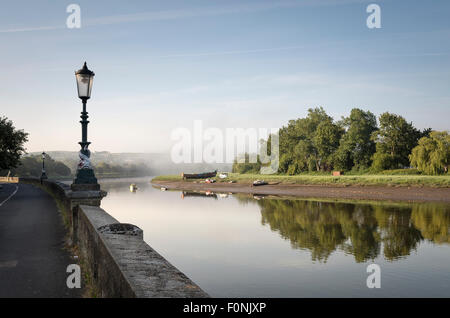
(119, 262)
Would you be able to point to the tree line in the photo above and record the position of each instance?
(31, 166)
(357, 143)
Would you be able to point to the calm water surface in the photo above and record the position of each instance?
(245, 246)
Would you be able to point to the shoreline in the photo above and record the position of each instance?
(353, 192)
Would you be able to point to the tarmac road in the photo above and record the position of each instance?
(33, 260)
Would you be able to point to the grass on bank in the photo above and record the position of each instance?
(344, 180)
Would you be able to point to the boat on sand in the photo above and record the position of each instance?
(259, 183)
(202, 175)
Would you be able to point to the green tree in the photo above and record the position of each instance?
(326, 141)
(56, 168)
(11, 144)
(300, 149)
(432, 155)
(395, 140)
(356, 146)
(31, 166)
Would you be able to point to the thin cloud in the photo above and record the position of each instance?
(30, 29)
(234, 52)
(190, 13)
(212, 11)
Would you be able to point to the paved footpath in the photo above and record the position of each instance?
(33, 260)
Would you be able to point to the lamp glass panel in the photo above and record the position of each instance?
(84, 83)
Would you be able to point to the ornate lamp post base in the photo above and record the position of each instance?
(85, 187)
(85, 180)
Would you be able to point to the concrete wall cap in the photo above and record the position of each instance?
(121, 228)
(85, 194)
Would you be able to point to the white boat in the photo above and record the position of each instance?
(133, 187)
(259, 183)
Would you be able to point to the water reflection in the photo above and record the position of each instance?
(264, 246)
(362, 230)
(207, 194)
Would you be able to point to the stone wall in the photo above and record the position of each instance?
(120, 262)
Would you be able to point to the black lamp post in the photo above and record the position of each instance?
(85, 178)
(43, 174)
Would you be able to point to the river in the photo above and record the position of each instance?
(246, 246)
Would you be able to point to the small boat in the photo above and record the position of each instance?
(163, 188)
(223, 176)
(259, 183)
(133, 187)
(199, 175)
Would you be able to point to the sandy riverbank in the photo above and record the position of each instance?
(409, 194)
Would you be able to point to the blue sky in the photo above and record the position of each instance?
(163, 64)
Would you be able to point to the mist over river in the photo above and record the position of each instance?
(253, 246)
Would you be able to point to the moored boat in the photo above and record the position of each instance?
(259, 183)
(203, 175)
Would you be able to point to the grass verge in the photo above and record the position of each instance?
(345, 180)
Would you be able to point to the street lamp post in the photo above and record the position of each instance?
(43, 174)
(85, 178)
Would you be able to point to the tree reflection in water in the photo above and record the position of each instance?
(362, 230)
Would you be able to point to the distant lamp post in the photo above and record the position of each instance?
(43, 174)
(85, 178)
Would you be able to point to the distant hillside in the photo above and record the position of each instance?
(157, 163)
(31, 166)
